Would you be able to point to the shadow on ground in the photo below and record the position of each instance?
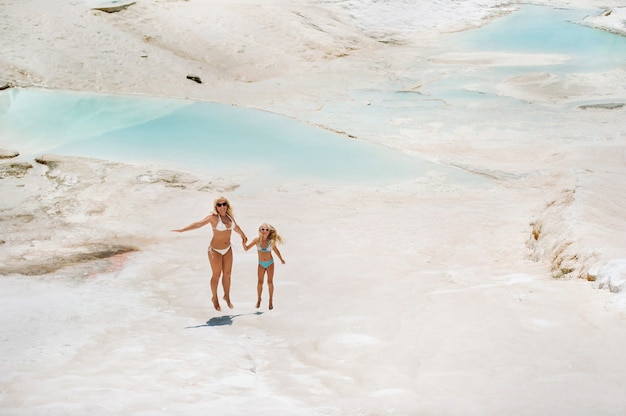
(223, 320)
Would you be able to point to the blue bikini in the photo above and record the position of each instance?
(267, 249)
(266, 264)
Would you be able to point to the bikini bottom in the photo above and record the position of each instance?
(222, 251)
(266, 264)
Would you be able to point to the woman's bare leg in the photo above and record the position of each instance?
(259, 284)
(216, 267)
(227, 267)
(270, 284)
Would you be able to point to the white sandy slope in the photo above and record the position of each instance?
(611, 19)
(426, 297)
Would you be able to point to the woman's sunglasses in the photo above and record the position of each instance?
(221, 204)
(265, 229)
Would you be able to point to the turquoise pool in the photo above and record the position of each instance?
(533, 30)
(200, 137)
(542, 29)
(221, 140)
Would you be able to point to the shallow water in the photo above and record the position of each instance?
(221, 140)
(537, 31)
(546, 30)
(455, 99)
(200, 137)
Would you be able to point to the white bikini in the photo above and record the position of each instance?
(220, 226)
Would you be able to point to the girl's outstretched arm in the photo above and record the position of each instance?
(249, 246)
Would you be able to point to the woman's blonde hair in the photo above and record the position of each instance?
(273, 236)
(229, 208)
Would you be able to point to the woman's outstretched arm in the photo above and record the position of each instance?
(195, 225)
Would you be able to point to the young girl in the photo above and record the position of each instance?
(265, 243)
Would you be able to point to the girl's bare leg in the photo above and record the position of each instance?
(270, 284)
(259, 284)
(227, 267)
(216, 267)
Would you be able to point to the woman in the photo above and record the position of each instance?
(220, 252)
(266, 242)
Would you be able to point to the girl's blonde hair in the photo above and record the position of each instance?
(229, 208)
(273, 236)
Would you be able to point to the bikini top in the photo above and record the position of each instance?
(266, 249)
(222, 227)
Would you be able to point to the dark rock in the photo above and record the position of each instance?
(603, 106)
(194, 78)
(113, 6)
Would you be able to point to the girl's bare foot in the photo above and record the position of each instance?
(230, 305)
(216, 304)
(258, 303)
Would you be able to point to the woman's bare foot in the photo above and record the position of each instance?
(216, 304)
(271, 305)
(230, 305)
(258, 303)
